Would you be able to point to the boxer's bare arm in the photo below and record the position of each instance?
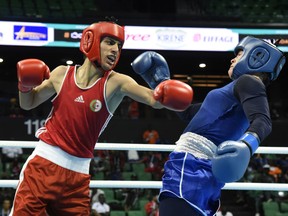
(44, 91)
(120, 85)
(173, 95)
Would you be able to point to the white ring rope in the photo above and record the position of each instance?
(152, 184)
(136, 146)
(157, 185)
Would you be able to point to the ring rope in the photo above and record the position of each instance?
(158, 184)
(136, 146)
(152, 184)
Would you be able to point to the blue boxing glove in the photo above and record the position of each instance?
(152, 67)
(231, 159)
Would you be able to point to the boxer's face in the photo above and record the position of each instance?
(234, 61)
(110, 51)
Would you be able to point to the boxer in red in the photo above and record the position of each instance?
(55, 178)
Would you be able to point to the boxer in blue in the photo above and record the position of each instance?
(223, 131)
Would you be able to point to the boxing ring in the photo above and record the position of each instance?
(152, 184)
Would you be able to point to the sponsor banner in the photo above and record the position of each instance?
(25, 34)
(69, 35)
(174, 38)
(66, 35)
(30, 33)
(138, 37)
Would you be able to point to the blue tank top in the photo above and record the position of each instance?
(216, 119)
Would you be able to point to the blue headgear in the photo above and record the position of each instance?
(258, 56)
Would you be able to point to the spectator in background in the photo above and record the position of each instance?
(259, 160)
(274, 171)
(262, 196)
(95, 195)
(282, 162)
(154, 164)
(223, 211)
(101, 162)
(6, 193)
(10, 155)
(152, 206)
(117, 161)
(150, 136)
(101, 208)
(133, 110)
(5, 208)
(14, 110)
(281, 199)
(15, 169)
(284, 177)
(133, 156)
(131, 196)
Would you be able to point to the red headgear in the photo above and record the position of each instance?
(92, 36)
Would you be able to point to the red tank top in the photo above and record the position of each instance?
(78, 117)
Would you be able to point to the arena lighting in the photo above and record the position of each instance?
(202, 65)
(69, 62)
(1, 60)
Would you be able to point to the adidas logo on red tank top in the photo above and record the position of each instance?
(79, 99)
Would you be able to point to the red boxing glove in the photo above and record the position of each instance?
(174, 94)
(31, 73)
